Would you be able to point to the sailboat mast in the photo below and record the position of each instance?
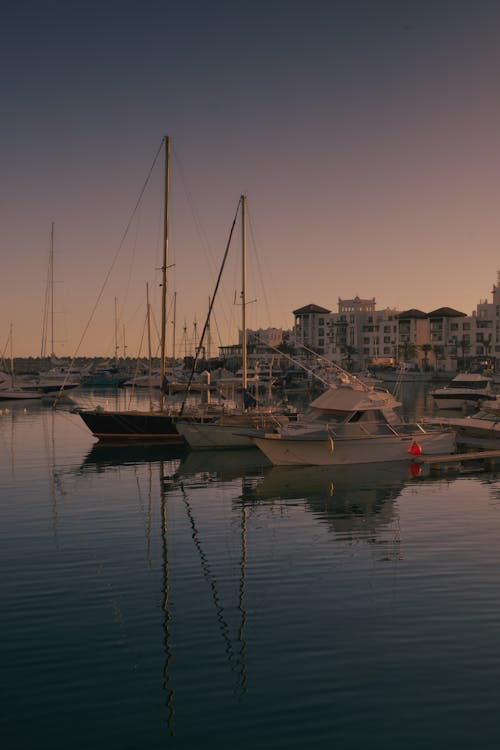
(209, 341)
(51, 287)
(244, 366)
(174, 326)
(164, 270)
(11, 353)
(116, 330)
(148, 319)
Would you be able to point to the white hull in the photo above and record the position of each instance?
(19, 395)
(466, 389)
(231, 431)
(210, 436)
(458, 402)
(483, 425)
(282, 451)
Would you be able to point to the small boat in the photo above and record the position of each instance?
(152, 424)
(351, 423)
(14, 388)
(466, 389)
(10, 389)
(484, 423)
(61, 377)
(231, 429)
(105, 375)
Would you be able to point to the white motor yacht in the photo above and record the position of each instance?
(466, 389)
(351, 423)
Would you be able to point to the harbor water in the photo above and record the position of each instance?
(155, 598)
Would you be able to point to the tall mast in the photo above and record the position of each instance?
(243, 292)
(148, 318)
(48, 308)
(164, 270)
(116, 330)
(174, 324)
(11, 353)
(209, 343)
(51, 287)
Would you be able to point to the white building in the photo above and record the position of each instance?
(359, 335)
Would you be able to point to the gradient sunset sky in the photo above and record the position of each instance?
(364, 133)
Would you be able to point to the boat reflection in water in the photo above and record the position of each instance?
(354, 501)
(225, 465)
(126, 454)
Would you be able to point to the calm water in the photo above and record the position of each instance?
(152, 599)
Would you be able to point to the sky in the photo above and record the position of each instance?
(365, 135)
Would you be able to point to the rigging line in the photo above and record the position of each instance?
(134, 249)
(196, 217)
(115, 258)
(137, 362)
(216, 322)
(259, 267)
(200, 345)
(200, 230)
(336, 367)
(293, 360)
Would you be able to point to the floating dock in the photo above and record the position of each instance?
(462, 463)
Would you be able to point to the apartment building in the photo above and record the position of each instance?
(356, 334)
(359, 335)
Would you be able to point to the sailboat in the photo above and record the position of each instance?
(62, 376)
(230, 429)
(142, 425)
(12, 388)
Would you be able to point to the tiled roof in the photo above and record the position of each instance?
(311, 309)
(446, 312)
(413, 313)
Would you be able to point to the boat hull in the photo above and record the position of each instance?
(215, 436)
(232, 431)
(460, 401)
(19, 395)
(132, 425)
(327, 451)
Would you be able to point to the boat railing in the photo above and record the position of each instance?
(374, 429)
(360, 429)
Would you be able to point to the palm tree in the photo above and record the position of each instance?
(408, 351)
(350, 350)
(438, 351)
(464, 346)
(426, 348)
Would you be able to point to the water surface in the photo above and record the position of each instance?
(155, 598)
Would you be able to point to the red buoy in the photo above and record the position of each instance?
(415, 449)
